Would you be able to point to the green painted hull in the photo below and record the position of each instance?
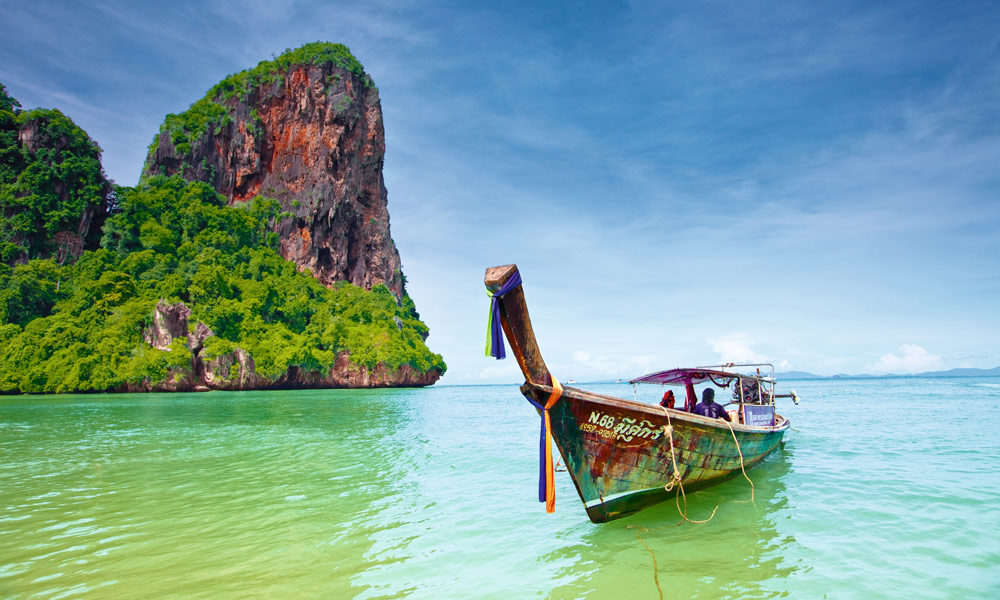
(619, 457)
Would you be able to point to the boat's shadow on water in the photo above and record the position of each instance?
(739, 552)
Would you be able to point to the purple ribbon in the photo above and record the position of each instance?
(496, 331)
(541, 453)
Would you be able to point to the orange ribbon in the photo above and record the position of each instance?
(550, 483)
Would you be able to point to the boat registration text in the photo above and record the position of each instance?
(621, 428)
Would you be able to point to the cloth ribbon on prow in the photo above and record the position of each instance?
(494, 347)
(494, 332)
(546, 469)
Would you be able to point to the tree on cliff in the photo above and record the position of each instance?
(53, 192)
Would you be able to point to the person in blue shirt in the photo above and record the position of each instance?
(708, 407)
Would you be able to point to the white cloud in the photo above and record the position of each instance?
(603, 366)
(504, 371)
(911, 358)
(593, 362)
(735, 348)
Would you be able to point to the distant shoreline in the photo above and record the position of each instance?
(951, 373)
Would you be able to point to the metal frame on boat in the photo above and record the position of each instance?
(624, 455)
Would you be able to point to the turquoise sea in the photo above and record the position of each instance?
(885, 488)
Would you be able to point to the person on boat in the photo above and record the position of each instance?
(668, 399)
(708, 407)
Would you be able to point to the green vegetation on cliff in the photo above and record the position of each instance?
(78, 327)
(270, 71)
(50, 180)
(209, 112)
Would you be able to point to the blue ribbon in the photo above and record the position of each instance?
(494, 339)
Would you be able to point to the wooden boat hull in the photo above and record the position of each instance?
(619, 457)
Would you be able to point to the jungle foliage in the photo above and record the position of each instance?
(46, 186)
(78, 327)
(270, 71)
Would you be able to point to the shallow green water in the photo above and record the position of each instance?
(884, 489)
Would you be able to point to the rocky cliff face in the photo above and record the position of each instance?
(307, 130)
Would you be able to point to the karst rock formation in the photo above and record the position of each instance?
(305, 129)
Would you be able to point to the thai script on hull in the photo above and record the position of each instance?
(620, 428)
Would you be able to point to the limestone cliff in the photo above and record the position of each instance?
(306, 129)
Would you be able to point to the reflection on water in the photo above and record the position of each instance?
(738, 553)
(881, 491)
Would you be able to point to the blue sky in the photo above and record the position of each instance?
(813, 184)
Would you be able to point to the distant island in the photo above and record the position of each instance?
(253, 253)
(994, 372)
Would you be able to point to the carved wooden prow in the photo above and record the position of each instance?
(517, 326)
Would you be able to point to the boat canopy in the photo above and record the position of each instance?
(717, 374)
(686, 376)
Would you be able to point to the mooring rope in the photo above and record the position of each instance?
(668, 432)
(742, 466)
(656, 578)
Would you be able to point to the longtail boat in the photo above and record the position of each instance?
(624, 455)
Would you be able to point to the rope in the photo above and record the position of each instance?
(656, 578)
(668, 432)
(723, 386)
(742, 467)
